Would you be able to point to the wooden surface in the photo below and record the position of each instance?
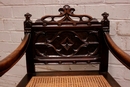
(123, 57)
(63, 39)
(67, 38)
(15, 56)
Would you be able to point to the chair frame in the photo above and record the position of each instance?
(63, 41)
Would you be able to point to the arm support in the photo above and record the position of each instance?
(15, 56)
(123, 57)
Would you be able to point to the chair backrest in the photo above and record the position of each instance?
(66, 39)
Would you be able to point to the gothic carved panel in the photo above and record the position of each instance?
(66, 43)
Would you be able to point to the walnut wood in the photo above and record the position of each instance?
(123, 57)
(9, 61)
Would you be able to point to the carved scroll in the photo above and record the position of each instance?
(66, 17)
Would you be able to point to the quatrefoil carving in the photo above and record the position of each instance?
(67, 43)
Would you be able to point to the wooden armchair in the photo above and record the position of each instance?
(66, 39)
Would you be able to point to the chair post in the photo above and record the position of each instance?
(104, 54)
(27, 23)
(105, 22)
(29, 51)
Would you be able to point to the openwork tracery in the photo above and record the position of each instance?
(66, 16)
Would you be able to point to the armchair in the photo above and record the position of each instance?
(66, 39)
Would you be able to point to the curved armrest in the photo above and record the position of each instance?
(15, 56)
(123, 57)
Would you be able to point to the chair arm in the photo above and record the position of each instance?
(9, 61)
(123, 57)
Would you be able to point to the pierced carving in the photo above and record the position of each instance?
(66, 17)
(66, 44)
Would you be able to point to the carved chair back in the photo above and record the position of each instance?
(66, 39)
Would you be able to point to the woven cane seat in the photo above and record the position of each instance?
(68, 81)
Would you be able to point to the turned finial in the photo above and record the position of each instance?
(27, 23)
(105, 15)
(105, 22)
(27, 16)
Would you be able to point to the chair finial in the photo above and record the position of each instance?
(27, 22)
(27, 16)
(105, 22)
(105, 15)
